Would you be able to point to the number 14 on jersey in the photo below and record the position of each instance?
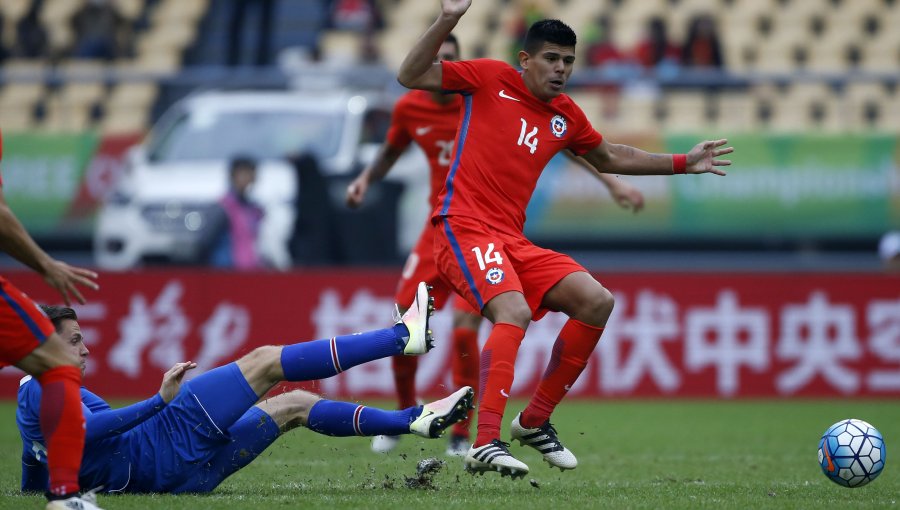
(488, 256)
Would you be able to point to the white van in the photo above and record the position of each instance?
(157, 212)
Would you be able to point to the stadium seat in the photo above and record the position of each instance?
(685, 111)
(341, 46)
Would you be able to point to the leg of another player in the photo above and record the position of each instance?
(227, 392)
(319, 359)
(334, 418)
(464, 363)
(57, 369)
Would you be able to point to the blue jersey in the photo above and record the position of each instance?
(207, 432)
(107, 446)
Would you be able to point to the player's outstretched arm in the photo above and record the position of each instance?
(14, 240)
(624, 159)
(385, 159)
(625, 195)
(418, 70)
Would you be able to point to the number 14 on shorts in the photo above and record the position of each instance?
(489, 256)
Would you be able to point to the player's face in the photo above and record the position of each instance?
(71, 335)
(547, 71)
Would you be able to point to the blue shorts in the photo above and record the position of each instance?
(208, 432)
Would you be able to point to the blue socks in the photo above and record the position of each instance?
(319, 359)
(345, 419)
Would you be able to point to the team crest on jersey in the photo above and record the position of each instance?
(558, 126)
(494, 275)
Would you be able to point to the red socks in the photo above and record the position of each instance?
(405, 380)
(62, 424)
(498, 359)
(570, 355)
(465, 369)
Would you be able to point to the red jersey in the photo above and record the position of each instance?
(506, 137)
(417, 117)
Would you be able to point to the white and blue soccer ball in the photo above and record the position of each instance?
(852, 453)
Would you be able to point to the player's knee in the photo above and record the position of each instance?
(266, 359)
(515, 313)
(599, 307)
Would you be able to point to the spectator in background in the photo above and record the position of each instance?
(31, 37)
(529, 11)
(614, 65)
(362, 17)
(263, 31)
(654, 52)
(100, 31)
(702, 49)
(234, 227)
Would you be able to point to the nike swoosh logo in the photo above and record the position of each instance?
(504, 96)
(567, 387)
(423, 130)
(504, 393)
(828, 457)
(426, 415)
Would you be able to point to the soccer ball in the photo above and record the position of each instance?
(851, 453)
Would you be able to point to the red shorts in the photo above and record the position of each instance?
(481, 263)
(23, 326)
(420, 267)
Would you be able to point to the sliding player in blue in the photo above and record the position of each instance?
(190, 437)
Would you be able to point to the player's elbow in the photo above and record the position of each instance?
(406, 80)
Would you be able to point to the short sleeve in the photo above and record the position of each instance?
(398, 133)
(469, 75)
(585, 137)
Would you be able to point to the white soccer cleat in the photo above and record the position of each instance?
(544, 440)
(86, 501)
(494, 456)
(458, 446)
(384, 444)
(415, 319)
(439, 415)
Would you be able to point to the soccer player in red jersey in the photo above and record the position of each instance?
(511, 124)
(430, 120)
(28, 341)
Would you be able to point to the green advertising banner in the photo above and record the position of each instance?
(780, 186)
(42, 174)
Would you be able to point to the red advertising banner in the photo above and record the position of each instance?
(671, 335)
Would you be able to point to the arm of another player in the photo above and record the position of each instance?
(385, 159)
(626, 195)
(15, 241)
(626, 160)
(418, 70)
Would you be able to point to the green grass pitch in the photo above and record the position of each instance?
(632, 454)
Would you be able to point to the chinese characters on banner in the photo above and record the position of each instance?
(671, 335)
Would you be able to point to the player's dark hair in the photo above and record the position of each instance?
(57, 314)
(551, 31)
(454, 41)
(241, 161)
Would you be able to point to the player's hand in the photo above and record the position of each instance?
(627, 196)
(64, 278)
(703, 158)
(171, 382)
(356, 191)
(455, 8)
